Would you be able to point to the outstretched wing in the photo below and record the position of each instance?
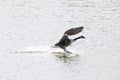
(74, 31)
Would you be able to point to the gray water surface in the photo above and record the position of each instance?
(25, 23)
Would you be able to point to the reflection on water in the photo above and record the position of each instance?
(66, 57)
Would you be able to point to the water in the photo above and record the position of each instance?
(26, 23)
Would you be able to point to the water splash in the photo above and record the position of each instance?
(44, 49)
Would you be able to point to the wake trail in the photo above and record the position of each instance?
(45, 49)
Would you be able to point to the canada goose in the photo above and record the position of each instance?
(66, 41)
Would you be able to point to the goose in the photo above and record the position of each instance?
(65, 41)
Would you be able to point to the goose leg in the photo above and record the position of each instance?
(67, 51)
